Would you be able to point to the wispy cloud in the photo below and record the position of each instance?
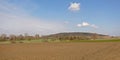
(94, 26)
(66, 22)
(74, 6)
(29, 25)
(16, 20)
(86, 24)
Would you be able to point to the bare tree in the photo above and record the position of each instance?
(95, 36)
(26, 36)
(37, 36)
(3, 37)
(20, 37)
(12, 38)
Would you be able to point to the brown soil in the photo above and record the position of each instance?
(60, 51)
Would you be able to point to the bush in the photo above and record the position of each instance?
(21, 42)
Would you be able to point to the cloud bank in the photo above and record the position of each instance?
(19, 25)
(74, 6)
(86, 24)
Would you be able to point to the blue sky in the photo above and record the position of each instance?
(54, 16)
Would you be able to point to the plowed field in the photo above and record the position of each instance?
(61, 51)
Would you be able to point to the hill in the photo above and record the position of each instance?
(76, 36)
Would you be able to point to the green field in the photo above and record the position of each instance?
(111, 40)
(66, 41)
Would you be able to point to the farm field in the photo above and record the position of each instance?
(61, 51)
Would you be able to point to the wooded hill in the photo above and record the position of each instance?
(76, 36)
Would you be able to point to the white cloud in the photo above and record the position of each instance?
(74, 6)
(94, 26)
(79, 25)
(86, 24)
(83, 24)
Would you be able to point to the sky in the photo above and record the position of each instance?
(55, 16)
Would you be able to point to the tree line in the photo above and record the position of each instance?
(12, 37)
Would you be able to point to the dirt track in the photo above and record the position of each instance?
(60, 51)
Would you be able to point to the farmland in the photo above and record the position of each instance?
(61, 51)
(59, 29)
